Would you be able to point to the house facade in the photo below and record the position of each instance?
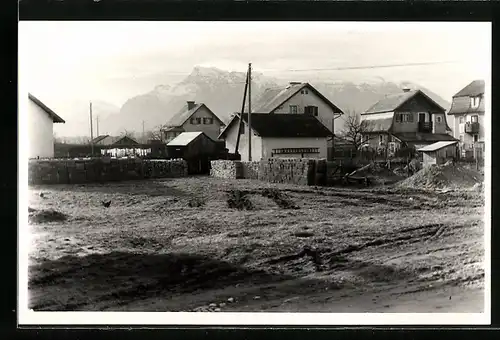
(407, 119)
(193, 118)
(41, 121)
(300, 98)
(280, 135)
(467, 112)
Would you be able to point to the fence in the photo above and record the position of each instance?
(61, 171)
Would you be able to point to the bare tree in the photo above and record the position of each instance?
(355, 130)
(155, 134)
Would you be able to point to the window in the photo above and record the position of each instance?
(461, 120)
(195, 121)
(311, 110)
(380, 138)
(476, 138)
(438, 119)
(474, 119)
(208, 120)
(474, 102)
(406, 117)
(293, 109)
(398, 117)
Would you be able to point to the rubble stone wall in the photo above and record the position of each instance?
(72, 171)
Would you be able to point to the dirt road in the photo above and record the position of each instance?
(184, 245)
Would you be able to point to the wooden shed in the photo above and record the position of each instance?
(196, 148)
(439, 152)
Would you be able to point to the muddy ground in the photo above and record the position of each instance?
(205, 244)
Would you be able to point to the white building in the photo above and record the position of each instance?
(300, 98)
(467, 112)
(40, 128)
(278, 135)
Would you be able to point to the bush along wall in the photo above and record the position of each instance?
(101, 170)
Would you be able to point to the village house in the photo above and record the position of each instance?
(41, 121)
(407, 119)
(107, 140)
(193, 118)
(467, 111)
(278, 135)
(300, 98)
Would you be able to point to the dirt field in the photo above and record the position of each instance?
(204, 244)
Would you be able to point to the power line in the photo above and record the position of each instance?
(358, 67)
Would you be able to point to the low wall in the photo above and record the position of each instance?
(59, 171)
(225, 169)
(300, 171)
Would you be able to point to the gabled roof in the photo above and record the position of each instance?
(186, 138)
(475, 88)
(273, 98)
(184, 114)
(437, 146)
(392, 102)
(111, 140)
(283, 125)
(52, 114)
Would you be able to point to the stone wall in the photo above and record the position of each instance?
(62, 171)
(250, 169)
(225, 169)
(301, 171)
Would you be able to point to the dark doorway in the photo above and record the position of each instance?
(421, 117)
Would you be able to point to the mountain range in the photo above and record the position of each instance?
(222, 92)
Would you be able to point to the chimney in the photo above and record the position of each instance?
(191, 104)
(406, 89)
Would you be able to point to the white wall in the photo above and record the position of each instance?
(459, 129)
(268, 144)
(231, 135)
(40, 132)
(325, 112)
(211, 130)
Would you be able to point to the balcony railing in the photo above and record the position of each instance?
(471, 127)
(424, 126)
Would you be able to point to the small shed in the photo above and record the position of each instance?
(196, 148)
(439, 152)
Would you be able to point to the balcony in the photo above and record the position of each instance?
(471, 127)
(425, 127)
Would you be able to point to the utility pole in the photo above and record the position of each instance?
(91, 133)
(249, 111)
(240, 124)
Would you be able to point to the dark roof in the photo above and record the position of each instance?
(273, 98)
(284, 125)
(462, 105)
(413, 137)
(52, 114)
(392, 102)
(110, 140)
(184, 114)
(99, 138)
(475, 88)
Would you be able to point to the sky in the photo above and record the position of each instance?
(112, 61)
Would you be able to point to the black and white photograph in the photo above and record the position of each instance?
(266, 172)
